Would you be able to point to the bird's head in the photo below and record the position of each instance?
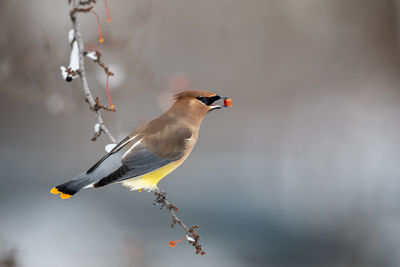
(200, 102)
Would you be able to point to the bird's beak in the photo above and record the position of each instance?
(224, 102)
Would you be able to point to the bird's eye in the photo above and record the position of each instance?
(204, 100)
(208, 100)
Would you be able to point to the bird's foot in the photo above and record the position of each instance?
(160, 197)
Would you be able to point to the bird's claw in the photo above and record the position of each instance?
(160, 197)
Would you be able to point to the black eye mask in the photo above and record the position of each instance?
(209, 100)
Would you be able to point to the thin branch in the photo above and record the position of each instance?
(88, 2)
(161, 199)
(77, 9)
(102, 65)
(191, 235)
(82, 72)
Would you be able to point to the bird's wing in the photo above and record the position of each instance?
(120, 145)
(139, 158)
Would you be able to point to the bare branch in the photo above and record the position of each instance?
(190, 231)
(191, 235)
(101, 64)
(76, 9)
(82, 72)
(87, 2)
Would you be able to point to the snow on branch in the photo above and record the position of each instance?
(77, 43)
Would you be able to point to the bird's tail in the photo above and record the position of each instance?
(70, 188)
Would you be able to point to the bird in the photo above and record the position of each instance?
(153, 150)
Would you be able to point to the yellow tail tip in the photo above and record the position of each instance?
(65, 196)
(54, 191)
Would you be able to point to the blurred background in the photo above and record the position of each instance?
(303, 170)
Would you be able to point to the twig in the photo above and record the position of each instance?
(82, 72)
(102, 65)
(191, 235)
(77, 9)
(88, 2)
(190, 231)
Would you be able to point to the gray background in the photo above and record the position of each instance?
(303, 170)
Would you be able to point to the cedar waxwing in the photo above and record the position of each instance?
(154, 150)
